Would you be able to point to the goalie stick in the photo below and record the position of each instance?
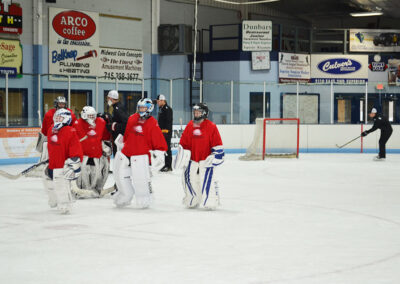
(31, 168)
(24, 172)
(348, 142)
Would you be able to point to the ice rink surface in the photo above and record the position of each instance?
(324, 218)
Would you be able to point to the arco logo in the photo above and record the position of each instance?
(339, 66)
(74, 25)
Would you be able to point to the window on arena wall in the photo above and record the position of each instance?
(128, 100)
(309, 107)
(17, 107)
(79, 99)
(256, 105)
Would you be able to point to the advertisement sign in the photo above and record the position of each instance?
(10, 18)
(10, 57)
(377, 65)
(260, 60)
(374, 40)
(394, 72)
(256, 35)
(124, 64)
(338, 68)
(294, 67)
(18, 142)
(73, 42)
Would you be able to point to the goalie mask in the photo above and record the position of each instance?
(60, 100)
(61, 118)
(89, 114)
(145, 107)
(200, 112)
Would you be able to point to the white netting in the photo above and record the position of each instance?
(281, 140)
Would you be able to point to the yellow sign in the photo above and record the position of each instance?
(10, 54)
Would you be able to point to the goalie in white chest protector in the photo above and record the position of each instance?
(95, 164)
(199, 153)
(142, 143)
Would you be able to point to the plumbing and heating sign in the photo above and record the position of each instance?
(73, 42)
(257, 35)
(339, 69)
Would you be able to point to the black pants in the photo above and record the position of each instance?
(385, 135)
(168, 157)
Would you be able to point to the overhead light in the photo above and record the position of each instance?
(246, 3)
(366, 14)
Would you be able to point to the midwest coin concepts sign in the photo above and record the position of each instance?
(340, 69)
(73, 42)
(374, 40)
(257, 35)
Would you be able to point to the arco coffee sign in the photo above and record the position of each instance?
(74, 25)
(73, 42)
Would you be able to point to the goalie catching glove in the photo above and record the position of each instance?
(72, 168)
(216, 158)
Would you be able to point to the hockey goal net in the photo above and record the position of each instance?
(274, 138)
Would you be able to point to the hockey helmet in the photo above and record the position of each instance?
(60, 100)
(62, 117)
(89, 114)
(203, 109)
(145, 103)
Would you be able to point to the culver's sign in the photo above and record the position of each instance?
(351, 69)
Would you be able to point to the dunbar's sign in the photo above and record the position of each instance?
(339, 69)
(74, 25)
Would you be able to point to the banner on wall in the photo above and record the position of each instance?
(124, 64)
(394, 72)
(340, 69)
(10, 18)
(10, 57)
(374, 40)
(73, 42)
(294, 67)
(257, 35)
(260, 60)
(18, 142)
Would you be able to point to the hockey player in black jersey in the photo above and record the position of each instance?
(383, 124)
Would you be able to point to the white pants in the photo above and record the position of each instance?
(200, 186)
(132, 176)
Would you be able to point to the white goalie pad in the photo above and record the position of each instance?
(48, 185)
(62, 188)
(104, 170)
(39, 144)
(122, 176)
(200, 186)
(119, 142)
(182, 158)
(140, 174)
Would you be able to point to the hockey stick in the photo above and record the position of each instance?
(348, 142)
(24, 172)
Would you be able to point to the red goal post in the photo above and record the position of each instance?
(274, 138)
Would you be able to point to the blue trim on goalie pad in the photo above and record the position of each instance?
(207, 183)
(13, 161)
(187, 181)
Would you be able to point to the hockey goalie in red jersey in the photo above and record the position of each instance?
(199, 152)
(142, 138)
(65, 155)
(95, 164)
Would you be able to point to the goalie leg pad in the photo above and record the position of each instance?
(182, 158)
(209, 187)
(83, 180)
(191, 185)
(62, 188)
(104, 166)
(48, 185)
(140, 173)
(124, 195)
(45, 153)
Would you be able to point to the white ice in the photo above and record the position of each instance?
(324, 218)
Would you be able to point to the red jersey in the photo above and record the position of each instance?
(199, 139)
(62, 145)
(91, 146)
(141, 136)
(48, 119)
